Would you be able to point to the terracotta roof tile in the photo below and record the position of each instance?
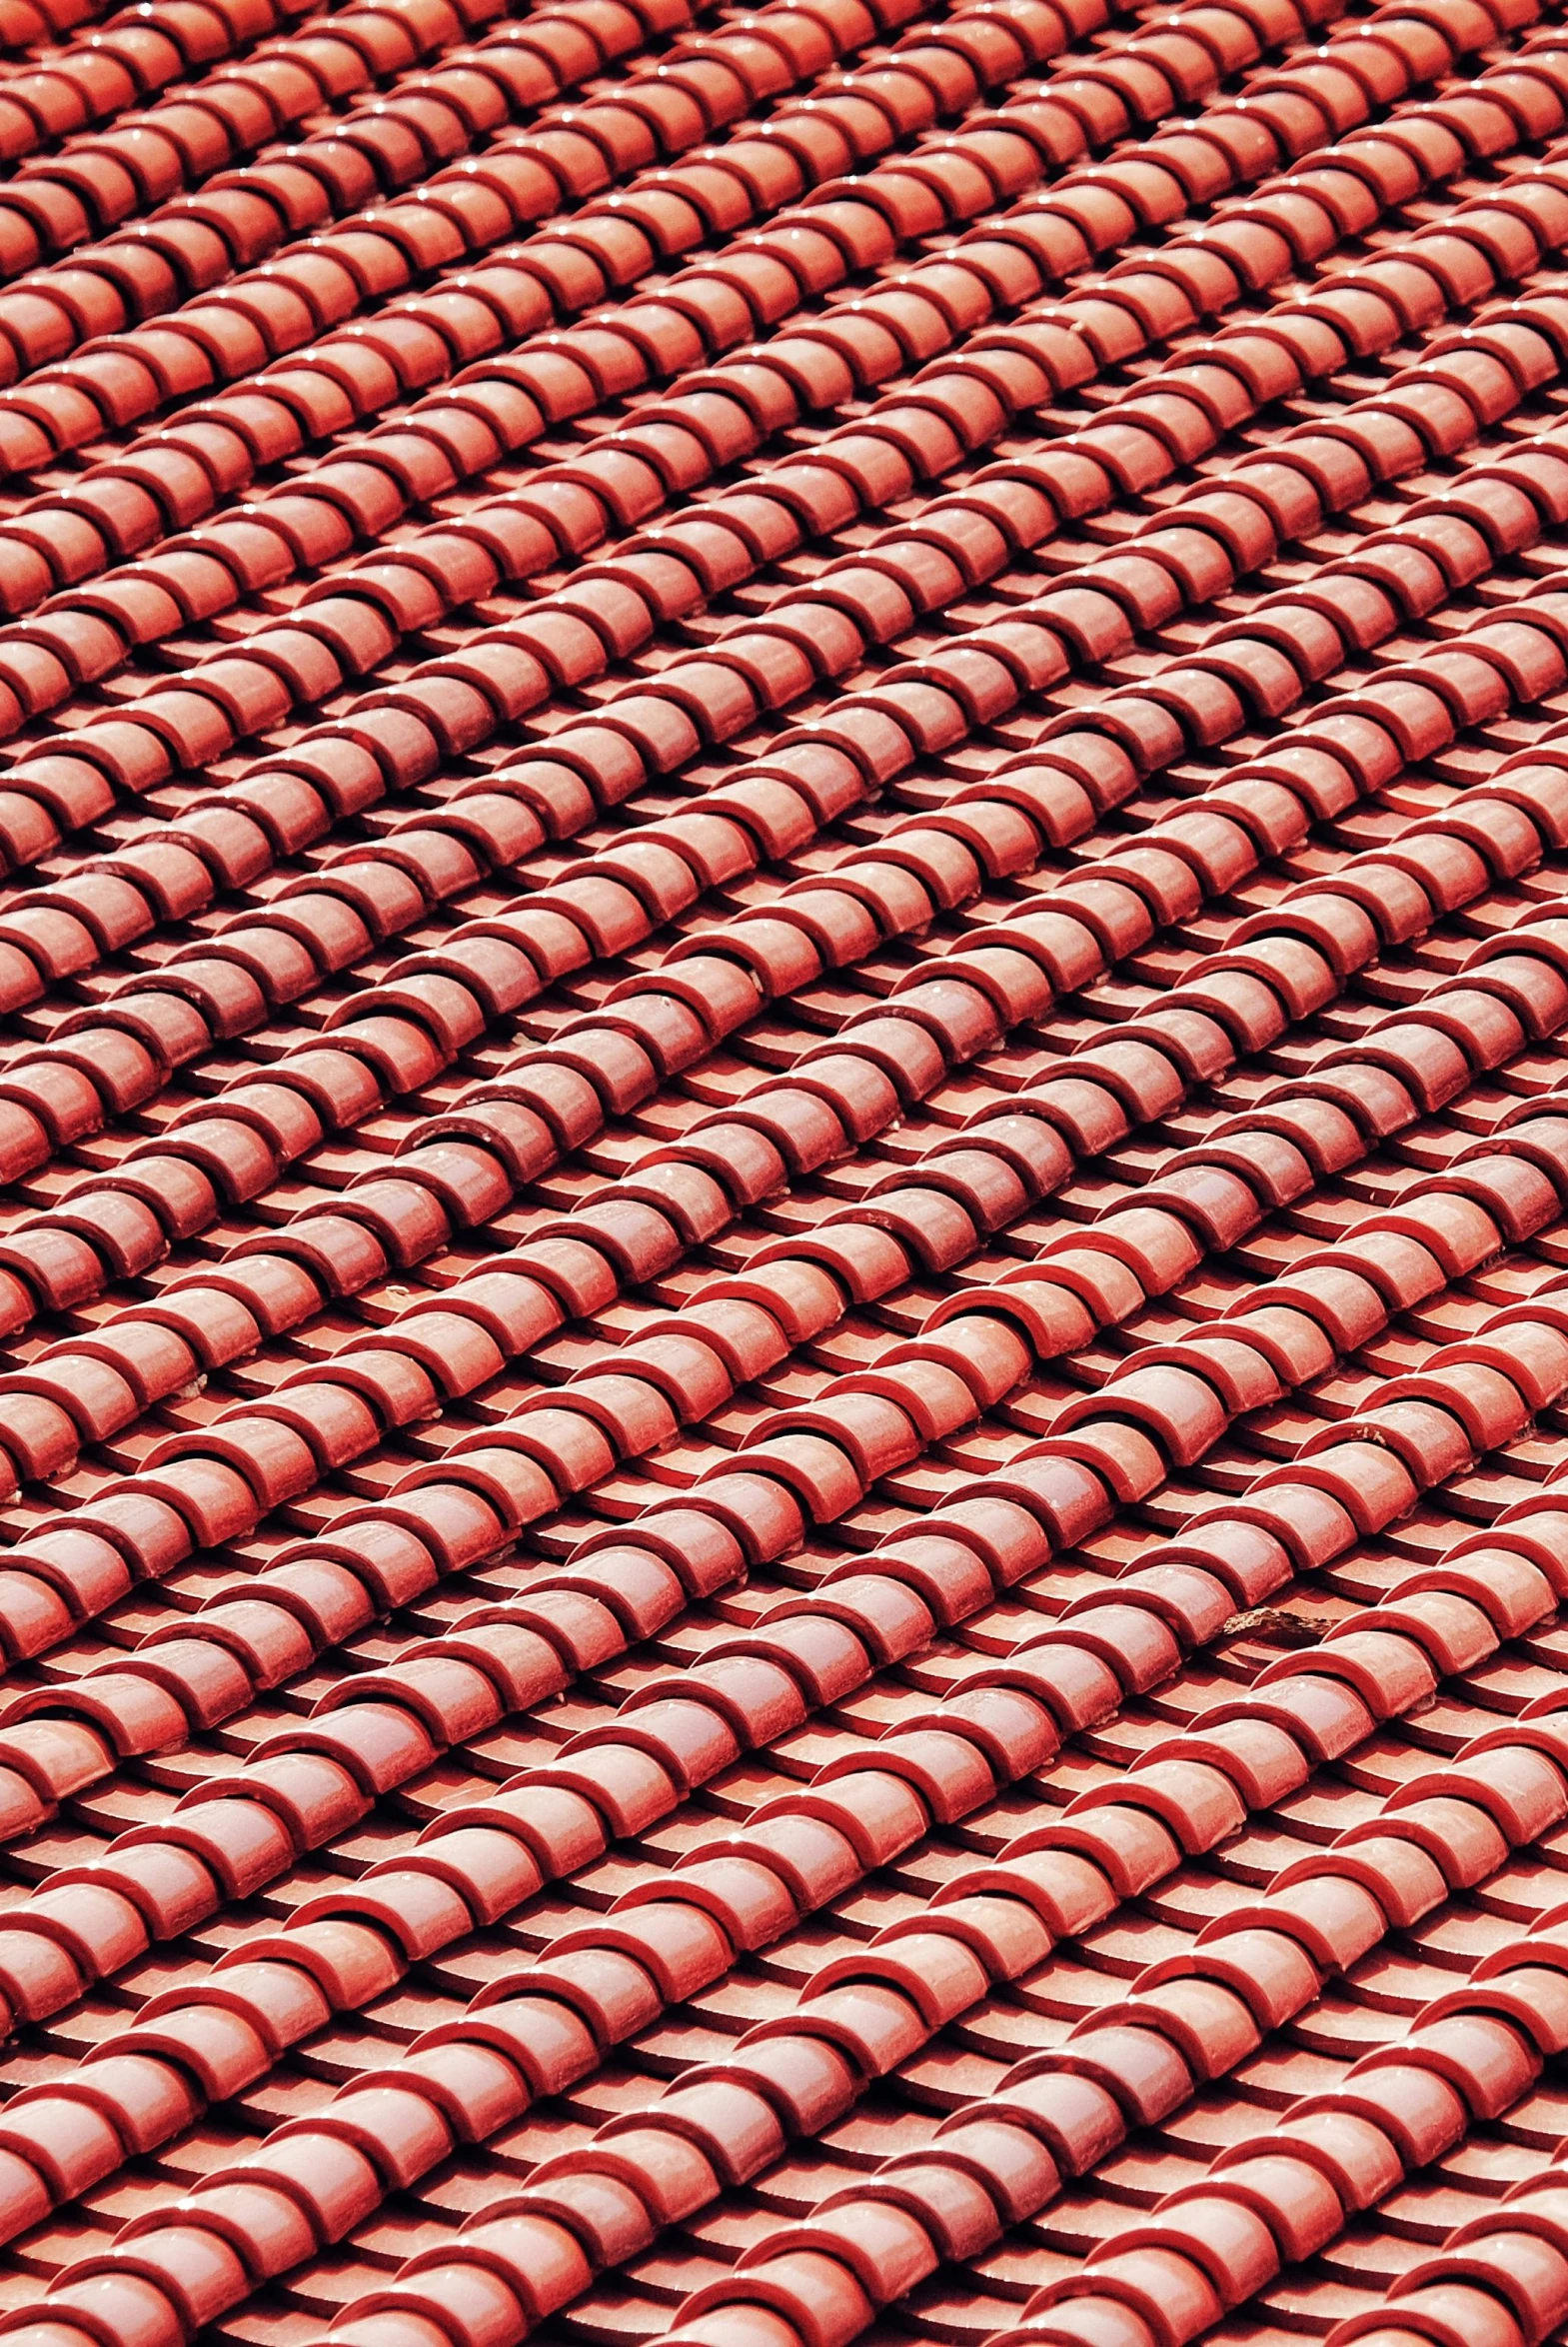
(782, 1365)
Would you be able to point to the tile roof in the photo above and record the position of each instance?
(783, 1261)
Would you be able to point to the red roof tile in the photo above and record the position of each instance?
(781, 1395)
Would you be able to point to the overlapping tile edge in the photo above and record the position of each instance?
(781, 1270)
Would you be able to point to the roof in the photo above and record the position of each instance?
(783, 1275)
